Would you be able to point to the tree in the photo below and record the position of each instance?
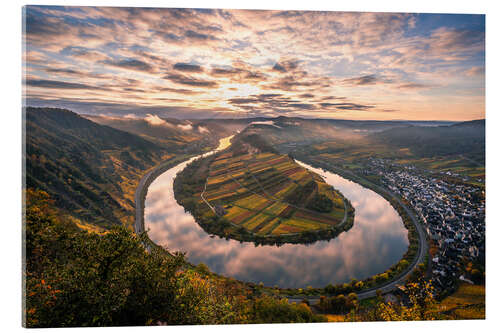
(270, 310)
(420, 307)
(202, 269)
(330, 289)
(359, 285)
(74, 278)
(321, 203)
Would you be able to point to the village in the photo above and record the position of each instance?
(451, 213)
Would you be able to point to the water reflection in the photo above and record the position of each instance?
(377, 240)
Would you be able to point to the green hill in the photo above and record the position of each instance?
(467, 138)
(90, 170)
(250, 192)
(179, 136)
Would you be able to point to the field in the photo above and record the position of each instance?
(466, 303)
(468, 168)
(269, 194)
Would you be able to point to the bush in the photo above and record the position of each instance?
(271, 310)
(321, 203)
(74, 278)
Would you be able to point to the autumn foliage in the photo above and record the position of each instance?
(76, 278)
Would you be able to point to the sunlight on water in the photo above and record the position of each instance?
(224, 143)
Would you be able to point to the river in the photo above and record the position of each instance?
(377, 240)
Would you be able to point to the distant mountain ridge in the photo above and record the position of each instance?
(180, 136)
(479, 123)
(467, 138)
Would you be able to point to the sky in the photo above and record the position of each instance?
(212, 63)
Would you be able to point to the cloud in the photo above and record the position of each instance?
(37, 25)
(73, 73)
(62, 71)
(202, 129)
(190, 81)
(183, 67)
(84, 54)
(242, 74)
(131, 64)
(446, 40)
(475, 71)
(177, 91)
(414, 86)
(278, 102)
(307, 95)
(286, 66)
(52, 84)
(303, 106)
(226, 71)
(362, 80)
(190, 34)
(99, 106)
(293, 61)
(292, 83)
(348, 106)
(243, 100)
(154, 120)
(187, 127)
(328, 98)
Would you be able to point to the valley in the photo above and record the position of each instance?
(254, 192)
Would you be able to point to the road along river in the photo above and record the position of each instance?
(377, 240)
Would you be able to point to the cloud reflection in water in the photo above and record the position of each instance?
(377, 240)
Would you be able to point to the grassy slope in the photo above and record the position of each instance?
(89, 169)
(261, 188)
(458, 148)
(468, 302)
(263, 195)
(466, 139)
(176, 135)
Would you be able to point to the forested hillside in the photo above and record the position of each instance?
(74, 278)
(467, 138)
(178, 136)
(90, 170)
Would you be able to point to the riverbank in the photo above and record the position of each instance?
(365, 289)
(142, 188)
(417, 236)
(146, 180)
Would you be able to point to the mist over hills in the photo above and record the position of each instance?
(90, 164)
(422, 139)
(174, 134)
(466, 138)
(86, 167)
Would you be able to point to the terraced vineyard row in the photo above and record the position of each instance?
(254, 191)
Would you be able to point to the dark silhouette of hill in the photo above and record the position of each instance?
(465, 138)
(245, 142)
